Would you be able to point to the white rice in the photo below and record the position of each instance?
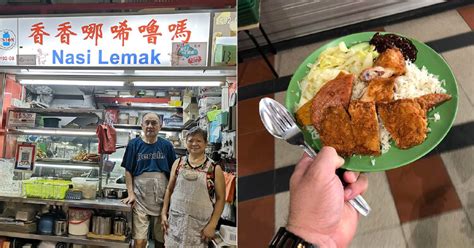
(416, 83)
(384, 136)
(372, 161)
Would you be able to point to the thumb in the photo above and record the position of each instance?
(302, 166)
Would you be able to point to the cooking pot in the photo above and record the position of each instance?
(114, 193)
(101, 225)
(60, 227)
(109, 193)
(46, 224)
(122, 193)
(120, 224)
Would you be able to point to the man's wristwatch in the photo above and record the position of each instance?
(287, 239)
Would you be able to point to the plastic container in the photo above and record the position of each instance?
(228, 234)
(88, 186)
(79, 221)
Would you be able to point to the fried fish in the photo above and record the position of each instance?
(365, 128)
(336, 130)
(430, 100)
(405, 119)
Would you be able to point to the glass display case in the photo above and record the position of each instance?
(65, 140)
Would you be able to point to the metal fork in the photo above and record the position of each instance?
(280, 123)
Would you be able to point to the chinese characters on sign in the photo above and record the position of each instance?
(64, 31)
(152, 29)
(93, 31)
(121, 32)
(123, 40)
(37, 32)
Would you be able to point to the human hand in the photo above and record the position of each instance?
(164, 223)
(208, 233)
(130, 199)
(319, 209)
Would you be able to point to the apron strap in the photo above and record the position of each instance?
(210, 181)
(179, 165)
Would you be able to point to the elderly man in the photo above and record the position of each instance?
(147, 160)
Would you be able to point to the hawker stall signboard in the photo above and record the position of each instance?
(112, 41)
(8, 41)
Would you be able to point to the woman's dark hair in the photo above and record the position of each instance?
(197, 131)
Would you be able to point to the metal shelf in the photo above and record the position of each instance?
(123, 107)
(100, 203)
(53, 131)
(57, 112)
(67, 239)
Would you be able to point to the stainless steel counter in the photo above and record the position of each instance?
(100, 203)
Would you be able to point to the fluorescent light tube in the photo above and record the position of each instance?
(186, 72)
(57, 132)
(72, 82)
(71, 72)
(177, 83)
(65, 166)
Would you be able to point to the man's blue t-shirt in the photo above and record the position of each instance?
(141, 157)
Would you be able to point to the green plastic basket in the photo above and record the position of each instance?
(32, 188)
(46, 188)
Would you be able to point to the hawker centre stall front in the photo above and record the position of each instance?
(63, 76)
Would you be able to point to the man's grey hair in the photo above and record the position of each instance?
(152, 113)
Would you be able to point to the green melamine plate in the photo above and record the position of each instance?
(395, 157)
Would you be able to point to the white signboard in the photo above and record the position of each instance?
(8, 41)
(138, 40)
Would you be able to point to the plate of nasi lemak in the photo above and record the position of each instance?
(380, 99)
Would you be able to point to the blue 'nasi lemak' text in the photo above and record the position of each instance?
(62, 58)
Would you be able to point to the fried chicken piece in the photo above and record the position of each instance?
(392, 59)
(430, 100)
(365, 128)
(303, 114)
(405, 120)
(379, 90)
(334, 93)
(336, 130)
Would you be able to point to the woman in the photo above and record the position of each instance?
(195, 196)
